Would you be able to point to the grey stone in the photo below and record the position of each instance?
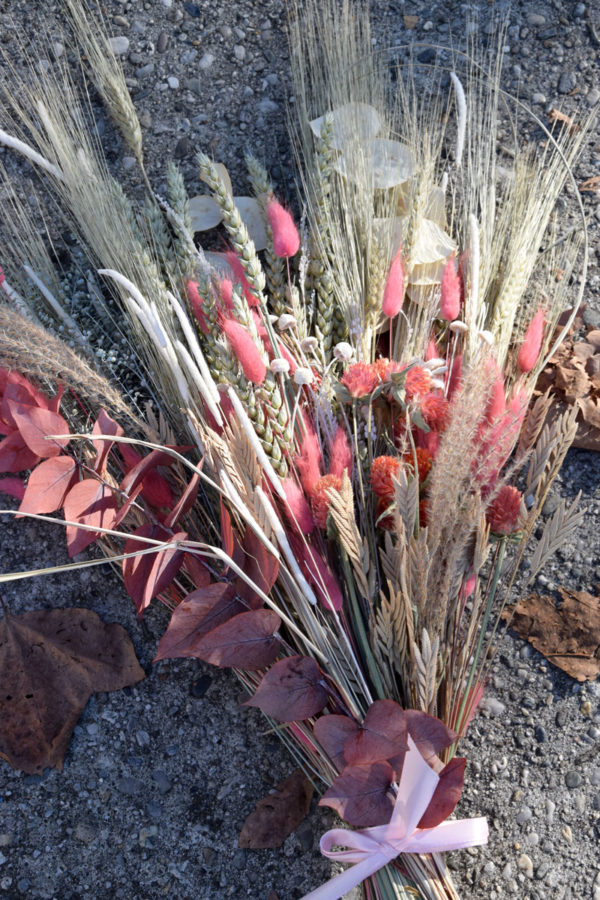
(119, 44)
(551, 504)
(573, 779)
(596, 802)
(541, 735)
(5, 839)
(593, 775)
(195, 85)
(129, 786)
(3, 859)
(267, 107)
(154, 810)
(591, 317)
(524, 815)
(567, 82)
(92, 728)
(579, 10)
(85, 833)
(160, 777)
(239, 52)
(536, 19)
(146, 70)
(173, 82)
(206, 61)
(538, 98)
(592, 96)
(183, 148)
(129, 162)
(147, 836)
(162, 42)
(561, 718)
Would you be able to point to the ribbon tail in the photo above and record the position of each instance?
(340, 884)
(454, 835)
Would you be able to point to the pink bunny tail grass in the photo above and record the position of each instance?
(226, 291)
(341, 454)
(529, 352)
(451, 292)
(246, 351)
(497, 400)
(393, 295)
(432, 351)
(309, 461)
(196, 303)
(454, 376)
(286, 240)
(297, 510)
(240, 277)
(470, 583)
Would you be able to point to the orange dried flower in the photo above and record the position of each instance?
(319, 500)
(418, 382)
(360, 379)
(424, 462)
(383, 470)
(435, 409)
(385, 368)
(504, 511)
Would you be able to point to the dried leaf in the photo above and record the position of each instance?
(136, 569)
(104, 425)
(278, 814)
(91, 503)
(381, 736)
(430, 735)
(410, 22)
(332, 732)
(48, 485)
(592, 185)
(51, 661)
(195, 616)
(12, 487)
(293, 689)
(35, 424)
(185, 502)
(165, 566)
(555, 115)
(260, 566)
(156, 490)
(360, 795)
(446, 795)
(247, 641)
(568, 636)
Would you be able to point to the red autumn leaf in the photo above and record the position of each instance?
(332, 732)
(12, 487)
(260, 566)
(36, 424)
(104, 425)
(196, 570)
(136, 569)
(196, 615)
(15, 455)
(248, 641)
(429, 734)
(126, 507)
(227, 539)
(91, 503)
(54, 402)
(447, 793)
(156, 490)
(293, 689)
(278, 814)
(19, 390)
(165, 566)
(185, 502)
(48, 485)
(381, 736)
(360, 795)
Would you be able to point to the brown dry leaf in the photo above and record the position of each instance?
(277, 814)
(569, 637)
(591, 185)
(555, 115)
(410, 22)
(51, 662)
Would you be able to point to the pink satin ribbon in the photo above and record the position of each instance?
(373, 848)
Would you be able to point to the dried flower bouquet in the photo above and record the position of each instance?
(345, 470)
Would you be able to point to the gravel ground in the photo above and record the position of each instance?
(159, 777)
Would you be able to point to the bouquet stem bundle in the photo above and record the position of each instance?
(362, 472)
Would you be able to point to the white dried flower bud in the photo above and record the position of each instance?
(279, 366)
(303, 375)
(286, 321)
(309, 344)
(343, 351)
(487, 337)
(458, 327)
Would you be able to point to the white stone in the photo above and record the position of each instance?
(206, 61)
(173, 82)
(119, 45)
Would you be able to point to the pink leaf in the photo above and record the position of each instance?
(165, 566)
(104, 425)
(429, 734)
(332, 732)
(446, 795)
(48, 485)
(196, 615)
(12, 487)
(293, 689)
(19, 390)
(136, 569)
(15, 455)
(36, 424)
(382, 735)
(360, 795)
(91, 503)
(248, 641)
(185, 502)
(156, 490)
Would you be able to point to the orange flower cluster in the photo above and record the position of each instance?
(435, 409)
(319, 501)
(417, 382)
(424, 462)
(383, 470)
(504, 511)
(360, 379)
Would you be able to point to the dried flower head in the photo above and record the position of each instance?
(360, 379)
(246, 351)
(320, 501)
(286, 240)
(424, 462)
(383, 471)
(435, 409)
(504, 511)
(417, 382)
(343, 351)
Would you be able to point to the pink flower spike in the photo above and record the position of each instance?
(529, 351)
(451, 292)
(286, 240)
(297, 510)
(504, 511)
(393, 295)
(497, 400)
(470, 584)
(240, 277)
(196, 302)
(432, 351)
(245, 350)
(226, 289)
(309, 461)
(1, 275)
(341, 455)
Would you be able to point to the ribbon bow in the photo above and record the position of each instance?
(373, 848)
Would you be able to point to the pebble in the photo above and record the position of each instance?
(195, 85)
(119, 45)
(154, 810)
(267, 106)
(525, 865)
(160, 777)
(173, 82)
(183, 148)
(3, 859)
(561, 718)
(143, 71)
(596, 802)
(200, 686)
(85, 833)
(129, 162)
(129, 786)
(596, 888)
(541, 735)
(524, 815)
(550, 810)
(206, 61)
(143, 738)
(593, 775)
(567, 82)
(573, 779)
(162, 42)
(567, 834)
(239, 52)
(494, 706)
(538, 98)
(5, 839)
(536, 19)
(147, 835)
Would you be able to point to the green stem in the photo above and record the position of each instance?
(360, 631)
